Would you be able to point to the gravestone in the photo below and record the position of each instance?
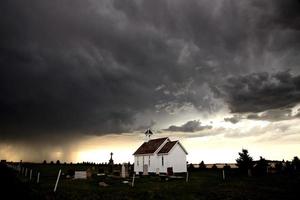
(89, 172)
(110, 163)
(103, 184)
(157, 171)
(124, 171)
(145, 170)
(80, 175)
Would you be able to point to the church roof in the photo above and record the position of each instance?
(150, 147)
(167, 147)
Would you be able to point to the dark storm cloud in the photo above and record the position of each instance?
(147, 126)
(234, 119)
(261, 92)
(190, 126)
(93, 66)
(274, 115)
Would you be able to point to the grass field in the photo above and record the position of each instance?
(205, 184)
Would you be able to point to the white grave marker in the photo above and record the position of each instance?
(80, 175)
(124, 171)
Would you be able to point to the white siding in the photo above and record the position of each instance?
(138, 165)
(176, 159)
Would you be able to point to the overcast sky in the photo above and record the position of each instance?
(212, 73)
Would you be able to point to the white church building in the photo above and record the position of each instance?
(160, 155)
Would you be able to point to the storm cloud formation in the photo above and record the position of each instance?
(234, 119)
(259, 92)
(190, 126)
(93, 67)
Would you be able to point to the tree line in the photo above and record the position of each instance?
(246, 165)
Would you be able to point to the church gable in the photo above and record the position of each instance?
(150, 147)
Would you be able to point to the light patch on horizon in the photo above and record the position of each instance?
(220, 144)
(216, 145)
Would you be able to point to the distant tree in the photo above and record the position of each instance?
(51, 162)
(245, 161)
(57, 162)
(202, 165)
(226, 166)
(296, 163)
(279, 166)
(261, 166)
(214, 166)
(44, 162)
(288, 166)
(191, 167)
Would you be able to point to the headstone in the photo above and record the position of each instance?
(145, 170)
(157, 171)
(103, 184)
(80, 175)
(124, 172)
(111, 163)
(89, 173)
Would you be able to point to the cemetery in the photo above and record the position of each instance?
(118, 181)
(162, 176)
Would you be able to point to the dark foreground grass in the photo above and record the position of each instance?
(206, 185)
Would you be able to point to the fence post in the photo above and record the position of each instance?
(38, 178)
(25, 172)
(223, 174)
(249, 172)
(133, 180)
(55, 187)
(187, 177)
(30, 175)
